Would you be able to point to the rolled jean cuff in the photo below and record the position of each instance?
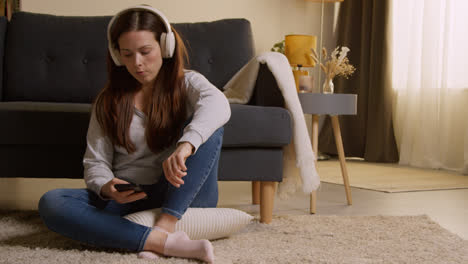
(165, 210)
(144, 238)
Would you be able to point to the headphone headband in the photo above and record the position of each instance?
(167, 40)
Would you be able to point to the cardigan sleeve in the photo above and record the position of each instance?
(209, 108)
(98, 157)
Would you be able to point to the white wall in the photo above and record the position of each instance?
(271, 19)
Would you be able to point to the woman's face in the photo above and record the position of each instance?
(141, 55)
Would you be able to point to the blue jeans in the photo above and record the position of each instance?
(81, 215)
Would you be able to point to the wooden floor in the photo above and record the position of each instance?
(391, 177)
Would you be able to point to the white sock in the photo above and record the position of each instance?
(178, 244)
(150, 254)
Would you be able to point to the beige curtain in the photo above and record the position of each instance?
(430, 83)
(362, 26)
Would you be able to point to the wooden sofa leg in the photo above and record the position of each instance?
(267, 199)
(255, 192)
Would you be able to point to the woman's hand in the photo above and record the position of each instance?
(108, 190)
(174, 166)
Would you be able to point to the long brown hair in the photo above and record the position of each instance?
(166, 113)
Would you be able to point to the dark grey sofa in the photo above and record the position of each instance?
(54, 66)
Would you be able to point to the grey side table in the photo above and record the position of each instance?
(333, 105)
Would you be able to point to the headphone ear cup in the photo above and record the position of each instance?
(167, 43)
(115, 55)
(116, 58)
(162, 44)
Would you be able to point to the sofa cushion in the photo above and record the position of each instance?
(40, 123)
(64, 57)
(36, 123)
(55, 58)
(257, 126)
(218, 49)
(251, 164)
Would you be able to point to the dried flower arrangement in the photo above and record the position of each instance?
(337, 64)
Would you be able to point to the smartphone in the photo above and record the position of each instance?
(128, 186)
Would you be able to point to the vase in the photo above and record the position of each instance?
(328, 86)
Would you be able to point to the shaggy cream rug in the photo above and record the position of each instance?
(289, 239)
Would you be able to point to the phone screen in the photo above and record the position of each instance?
(128, 186)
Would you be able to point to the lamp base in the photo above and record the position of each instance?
(297, 76)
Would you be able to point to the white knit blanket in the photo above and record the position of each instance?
(299, 159)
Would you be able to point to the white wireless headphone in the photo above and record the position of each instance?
(167, 40)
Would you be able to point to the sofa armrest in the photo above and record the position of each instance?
(266, 91)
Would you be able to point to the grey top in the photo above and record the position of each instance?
(102, 161)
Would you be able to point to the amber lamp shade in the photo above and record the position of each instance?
(325, 1)
(297, 49)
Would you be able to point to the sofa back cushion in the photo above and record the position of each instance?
(55, 58)
(218, 49)
(63, 59)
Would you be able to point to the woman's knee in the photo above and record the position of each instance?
(50, 200)
(58, 201)
(49, 206)
(49, 197)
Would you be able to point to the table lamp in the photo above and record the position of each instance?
(323, 2)
(297, 48)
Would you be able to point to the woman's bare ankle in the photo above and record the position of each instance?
(167, 222)
(156, 241)
(158, 236)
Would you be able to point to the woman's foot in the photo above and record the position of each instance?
(178, 244)
(148, 255)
